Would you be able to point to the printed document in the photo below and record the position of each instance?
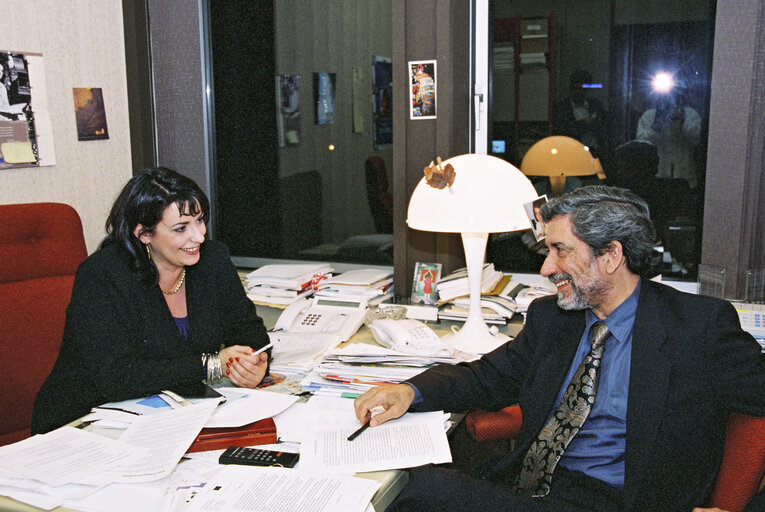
(166, 437)
(414, 439)
(263, 489)
(65, 455)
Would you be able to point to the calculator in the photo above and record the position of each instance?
(257, 457)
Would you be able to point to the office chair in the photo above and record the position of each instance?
(741, 473)
(41, 246)
(380, 199)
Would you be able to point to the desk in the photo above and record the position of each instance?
(392, 481)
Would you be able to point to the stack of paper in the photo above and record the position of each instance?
(69, 466)
(498, 305)
(356, 368)
(456, 284)
(299, 352)
(281, 285)
(370, 284)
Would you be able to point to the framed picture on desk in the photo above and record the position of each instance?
(424, 285)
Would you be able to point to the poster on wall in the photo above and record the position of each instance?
(422, 89)
(382, 97)
(90, 114)
(324, 95)
(288, 110)
(26, 135)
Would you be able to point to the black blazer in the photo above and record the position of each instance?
(691, 365)
(121, 342)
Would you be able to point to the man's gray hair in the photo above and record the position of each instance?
(600, 215)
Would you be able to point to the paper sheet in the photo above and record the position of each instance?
(66, 455)
(166, 436)
(412, 440)
(255, 489)
(244, 406)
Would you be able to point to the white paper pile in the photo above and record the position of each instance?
(281, 285)
(456, 283)
(368, 284)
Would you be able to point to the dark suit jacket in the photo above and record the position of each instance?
(691, 366)
(121, 342)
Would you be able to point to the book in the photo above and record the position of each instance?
(258, 432)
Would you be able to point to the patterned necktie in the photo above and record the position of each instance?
(564, 424)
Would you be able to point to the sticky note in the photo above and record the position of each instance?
(17, 152)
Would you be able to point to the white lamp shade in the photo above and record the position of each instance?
(487, 196)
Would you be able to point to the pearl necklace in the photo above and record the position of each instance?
(177, 286)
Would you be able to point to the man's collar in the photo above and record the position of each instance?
(622, 318)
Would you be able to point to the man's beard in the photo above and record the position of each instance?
(585, 293)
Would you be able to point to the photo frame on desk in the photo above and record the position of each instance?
(538, 227)
(425, 283)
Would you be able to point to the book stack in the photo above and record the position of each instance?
(372, 285)
(456, 284)
(280, 285)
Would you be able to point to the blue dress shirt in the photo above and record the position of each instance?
(598, 449)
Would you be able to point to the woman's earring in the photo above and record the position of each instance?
(148, 253)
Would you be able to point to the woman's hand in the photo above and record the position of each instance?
(244, 369)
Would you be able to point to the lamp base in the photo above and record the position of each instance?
(474, 338)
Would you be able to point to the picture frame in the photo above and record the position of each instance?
(425, 283)
(538, 227)
(422, 89)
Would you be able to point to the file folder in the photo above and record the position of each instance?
(258, 432)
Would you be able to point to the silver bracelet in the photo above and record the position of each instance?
(211, 363)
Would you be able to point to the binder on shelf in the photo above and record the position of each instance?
(258, 432)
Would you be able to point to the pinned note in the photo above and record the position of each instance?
(17, 152)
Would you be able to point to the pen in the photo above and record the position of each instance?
(116, 409)
(262, 349)
(358, 432)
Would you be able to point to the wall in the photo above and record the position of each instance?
(82, 44)
(336, 37)
(734, 212)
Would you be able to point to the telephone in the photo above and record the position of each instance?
(409, 336)
(323, 315)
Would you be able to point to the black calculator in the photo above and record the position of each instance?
(257, 457)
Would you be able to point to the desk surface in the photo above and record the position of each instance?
(392, 481)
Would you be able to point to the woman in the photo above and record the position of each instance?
(151, 307)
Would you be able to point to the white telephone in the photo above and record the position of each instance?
(409, 336)
(323, 315)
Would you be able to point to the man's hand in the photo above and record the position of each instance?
(708, 510)
(395, 399)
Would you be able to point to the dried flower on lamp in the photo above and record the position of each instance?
(439, 177)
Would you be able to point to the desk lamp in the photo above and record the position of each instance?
(558, 157)
(473, 195)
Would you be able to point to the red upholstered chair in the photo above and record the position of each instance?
(494, 426)
(742, 471)
(41, 246)
(380, 198)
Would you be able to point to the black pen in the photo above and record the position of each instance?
(117, 409)
(358, 432)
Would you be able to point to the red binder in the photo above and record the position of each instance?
(259, 432)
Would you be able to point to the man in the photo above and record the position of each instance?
(580, 117)
(651, 406)
(675, 128)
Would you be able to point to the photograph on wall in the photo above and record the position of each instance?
(90, 113)
(382, 98)
(422, 90)
(533, 209)
(288, 109)
(324, 94)
(424, 285)
(26, 135)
